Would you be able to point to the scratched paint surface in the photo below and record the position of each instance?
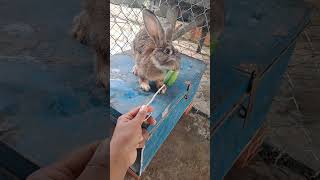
(125, 94)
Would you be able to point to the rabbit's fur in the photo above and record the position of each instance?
(153, 51)
(90, 27)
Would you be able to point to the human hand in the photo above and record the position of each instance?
(127, 137)
(90, 162)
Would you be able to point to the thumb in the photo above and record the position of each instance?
(143, 112)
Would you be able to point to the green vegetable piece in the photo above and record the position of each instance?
(171, 77)
(168, 76)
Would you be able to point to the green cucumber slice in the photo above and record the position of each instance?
(171, 77)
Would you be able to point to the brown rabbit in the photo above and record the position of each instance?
(153, 51)
(90, 27)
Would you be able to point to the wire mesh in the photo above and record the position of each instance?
(192, 27)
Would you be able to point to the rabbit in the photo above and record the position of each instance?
(90, 28)
(153, 51)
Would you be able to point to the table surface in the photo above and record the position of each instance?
(126, 94)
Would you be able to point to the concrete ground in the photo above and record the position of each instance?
(258, 169)
(293, 120)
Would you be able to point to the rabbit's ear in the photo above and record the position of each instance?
(153, 27)
(172, 14)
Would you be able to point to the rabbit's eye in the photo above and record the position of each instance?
(167, 51)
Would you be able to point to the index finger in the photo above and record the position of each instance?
(132, 113)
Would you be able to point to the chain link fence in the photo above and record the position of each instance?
(192, 35)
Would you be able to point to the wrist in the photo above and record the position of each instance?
(118, 164)
(118, 156)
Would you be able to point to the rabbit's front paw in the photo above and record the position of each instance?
(145, 86)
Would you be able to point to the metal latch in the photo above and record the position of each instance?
(188, 83)
(245, 112)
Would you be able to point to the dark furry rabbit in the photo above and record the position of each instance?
(90, 27)
(153, 51)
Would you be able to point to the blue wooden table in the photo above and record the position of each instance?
(258, 34)
(125, 94)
